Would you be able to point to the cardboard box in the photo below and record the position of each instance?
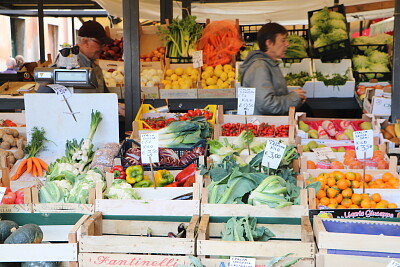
(304, 66)
(149, 39)
(323, 91)
(378, 102)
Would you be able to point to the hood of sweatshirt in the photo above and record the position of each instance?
(253, 56)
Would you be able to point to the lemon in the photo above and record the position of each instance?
(179, 71)
(227, 68)
(189, 70)
(218, 72)
(231, 74)
(194, 77)
(168, 78)
(205, 75)
(226, 85)
(194, 72)
(186, 85)
(168, 86)
(209, 69)
(184, 76)
(204, 67)
(213, 86)
(169, 72)
(218, 67)
(176, 86)
(210, 81)
(174, 77)
(215, 77)
(224, 76)
(219, 82)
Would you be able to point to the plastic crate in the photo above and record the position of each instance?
(147, 108)
(360, 49)
(336, 50)
(380, 76)
(249, 32)
(178, 59)
(129, 143)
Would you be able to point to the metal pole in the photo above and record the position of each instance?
(166, 11)
(41, 31)
(73, 30)
(186, 8)
(132, 60)
(396, 67)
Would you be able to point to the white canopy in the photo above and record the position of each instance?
(286, 12)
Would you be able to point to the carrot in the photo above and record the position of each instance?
(44, 164)
(21, 167)
(19, 172)
(38, 166)
(34, 171)
(29, 164)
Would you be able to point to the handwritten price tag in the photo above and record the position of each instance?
(197, 59)
(2, 192)
(61, 91)
(324, 153)
(242, 262)
(246, 100)
(393, 263)
(364, 142)
(149, 147)
(273, 154)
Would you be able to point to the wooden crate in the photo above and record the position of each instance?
(116, 240)
(335, 242)
(256, 119)
(156, 202)
(295, 211)
(15, 208)
(297, 239)
(63, 249)
(334, 260)
(38, 207)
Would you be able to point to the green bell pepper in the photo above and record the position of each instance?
(134, 174)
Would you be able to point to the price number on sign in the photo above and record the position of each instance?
(2, 192)
(242, 262)
(149, 147)
(246, 100)
(273, 154)
(324, 153)
(364, 143)
(61, 91)
(197, 59)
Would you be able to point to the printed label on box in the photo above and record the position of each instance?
(242, 262)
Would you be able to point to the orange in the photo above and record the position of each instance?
(331, 181)
(378, 153)
(324, 201)
(365, 196)
(368, 178)
(358, 177)
(347, 192)
(348, 160)
(342, 184)
(333, 201)
(338, 175)
(355, 165)
(332, 206)
(366, 204)
(346, 202)
(341, 207)
(378, 181)
(350, 176)
(384, 202)
(350, 153)
(381, 205)
(331, 193)
(354, 206)
(355, 184)
(337, 165)
(339, 198)
(321, 194)
(386, 176)
(392, 206)
(376, 197)
(356, 198)
(310, 164)
(383, 164)
(322, 179)
(373, 204)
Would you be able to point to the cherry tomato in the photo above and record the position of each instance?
(191, 113)
(198, 112)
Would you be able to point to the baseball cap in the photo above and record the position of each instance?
(93, 29)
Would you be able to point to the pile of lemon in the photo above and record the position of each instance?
(180, 78)
(218, 77)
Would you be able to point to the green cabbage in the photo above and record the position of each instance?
(336, 16)
(337, 35)
(315, 32)
(295, 39)
(321, 41)
(360, 62)
(319, 16)
(379, 67)
(376, 56)
(338, 24)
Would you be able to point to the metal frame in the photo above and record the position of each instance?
(396, 68)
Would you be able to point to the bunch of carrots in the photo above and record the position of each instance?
(219, 42)
(33, 164)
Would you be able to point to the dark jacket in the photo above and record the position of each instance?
(272, 95)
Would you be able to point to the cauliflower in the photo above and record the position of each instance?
(120, 189)
(94, 176)
(65, 185)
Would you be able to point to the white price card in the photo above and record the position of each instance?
(273, 154)
(242, 262)
(364, 142)
(149, 147)
(197, 59)
(2, 192)
(393, 263)
(246, 101)
(61, 91)
(324, 153)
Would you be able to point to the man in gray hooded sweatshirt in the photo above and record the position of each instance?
(260, 70)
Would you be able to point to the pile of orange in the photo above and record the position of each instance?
(337, 190)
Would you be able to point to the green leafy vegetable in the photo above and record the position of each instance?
(245, 229)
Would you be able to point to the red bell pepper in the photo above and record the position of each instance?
(119, 172)
(173, 184)
(190, 181)
(185, 174)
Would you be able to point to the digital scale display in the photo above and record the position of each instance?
(71, 76)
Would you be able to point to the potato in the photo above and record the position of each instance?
(19, 154)
(11, 159)
(10, 139)
(2, 132)
(20, 144)
(5, 145)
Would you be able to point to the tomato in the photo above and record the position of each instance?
(198, 112)
(191, 113)
(9, 198)
(183, 118)
(20, 192)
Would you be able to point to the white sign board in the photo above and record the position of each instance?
(393, 263)
(246, 101)
(273, 154)
(149, 147)
(242, 262)
(324, 153)
(364, 142)
(197, 59)
(2, 192)
(47, 112)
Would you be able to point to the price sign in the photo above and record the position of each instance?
(61, 91)
(393, 263)
(246, 100)
(197, 59)
(149, 147)
(2, 192)
(273, 154)
(324, 153)
(364, 142)
(242, 262)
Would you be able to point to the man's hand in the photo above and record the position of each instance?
(302, 94)
(121, 109)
